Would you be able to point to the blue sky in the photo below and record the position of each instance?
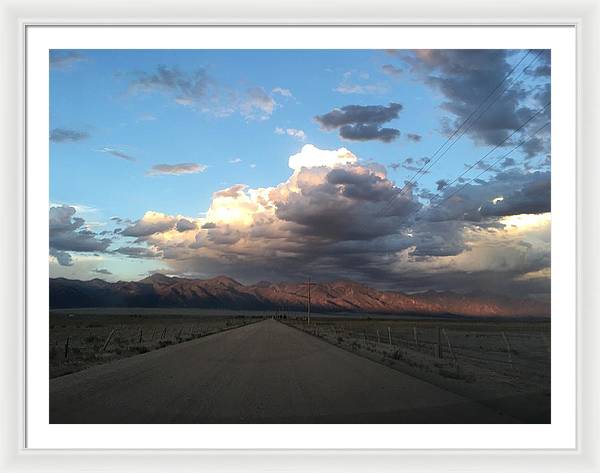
(133, 131)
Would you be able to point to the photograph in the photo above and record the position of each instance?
(299, 236)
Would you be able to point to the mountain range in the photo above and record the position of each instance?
(223, 292)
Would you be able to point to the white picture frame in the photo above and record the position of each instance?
(584, 15)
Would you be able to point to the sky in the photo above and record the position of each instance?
(407, 170)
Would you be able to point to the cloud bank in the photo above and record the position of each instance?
(336, 215)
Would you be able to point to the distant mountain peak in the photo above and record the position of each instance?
(156, 278)
(225, 281)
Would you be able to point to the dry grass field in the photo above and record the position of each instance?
(80, 338)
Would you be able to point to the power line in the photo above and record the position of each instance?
(541, 110)
(429, 163)
(489, 167)
(493, 102)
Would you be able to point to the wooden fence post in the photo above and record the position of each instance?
(108, 339)
(449, 346)
(439, 343)
(508, 349)
(67, 347)
(141, 335)
(415, 336)
(378, 337)
(389, 336)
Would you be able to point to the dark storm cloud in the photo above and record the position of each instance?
(64, 135)
(510, 192)
(532, 198)
(62, 257)
(438, 239)
(368, 133)
(542, 68)
(440, 184)
(146, 227)
(362, 123)
(67, 233)
(64, 59)
(414, 137)
(466, 77)
(350, 205)
(103, 271)
(209, 225)
(358, 114)
(507, 162)
(183, 225)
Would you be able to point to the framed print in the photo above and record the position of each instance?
(338, 242)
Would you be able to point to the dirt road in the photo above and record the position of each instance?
(266, 372)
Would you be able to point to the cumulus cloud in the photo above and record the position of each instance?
(176, 169)
(362, 123)
(68, 233)
(65, 135)
(117, 153)
(151, 222)
(184, 225)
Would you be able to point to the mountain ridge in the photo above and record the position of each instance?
(223, 292)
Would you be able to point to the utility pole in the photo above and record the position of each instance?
(308, 307)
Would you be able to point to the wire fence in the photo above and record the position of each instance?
(512, 349)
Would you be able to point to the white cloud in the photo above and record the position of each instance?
(293, 132)
(257, 104)
(282, 92)
(311, 156)
(350, 86)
